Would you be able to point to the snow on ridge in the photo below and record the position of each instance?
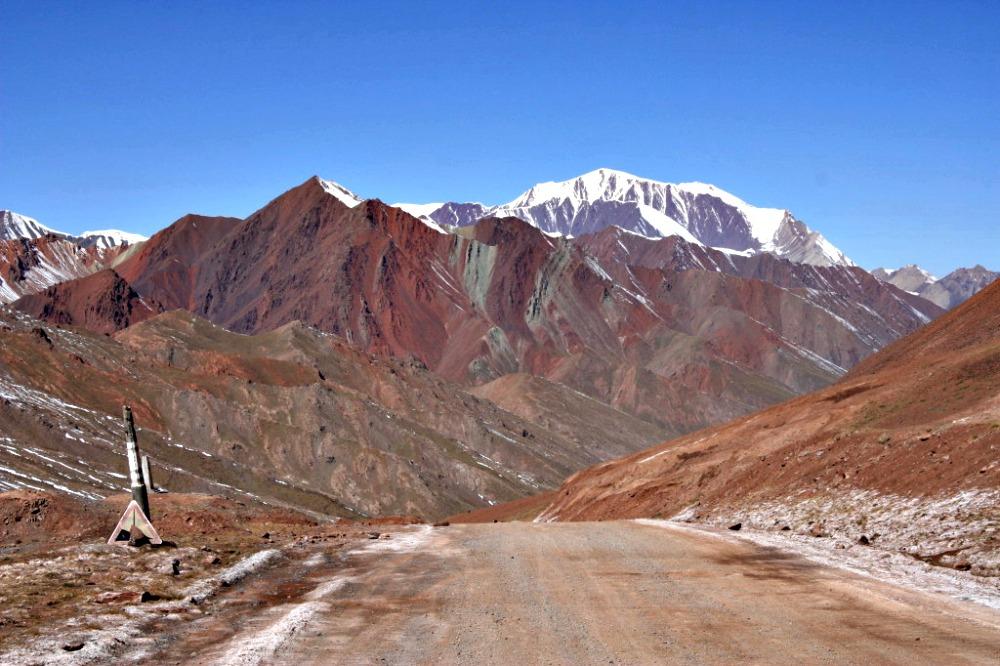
(350, 199)
(418, 210)
(14, 225)
(341, 193)
(666, 225)
(108, 238)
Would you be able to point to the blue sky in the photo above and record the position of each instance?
(877, 123)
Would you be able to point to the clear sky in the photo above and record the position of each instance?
(876, 123)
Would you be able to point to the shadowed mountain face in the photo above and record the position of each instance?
(102, 302)
(293, 416)
(674, 332)
(904, 446)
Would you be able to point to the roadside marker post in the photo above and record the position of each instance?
(136, 517)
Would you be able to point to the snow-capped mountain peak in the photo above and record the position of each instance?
(14, 225)
(698, 212)
(599, 184)
(106, 238)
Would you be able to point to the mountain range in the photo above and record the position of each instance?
(696, 212)
(951, 290)
(34, 257)
(473, 355)
(669, 330)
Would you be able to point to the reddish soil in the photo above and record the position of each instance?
(62, 585)
(523, 509)
(29, 517)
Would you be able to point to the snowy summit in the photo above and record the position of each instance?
(698, 212)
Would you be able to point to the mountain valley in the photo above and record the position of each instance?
(312, 380)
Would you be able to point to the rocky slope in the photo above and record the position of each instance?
(292, 417)
(900, 454)
(102, 302)
(674, 332)
(697, 212)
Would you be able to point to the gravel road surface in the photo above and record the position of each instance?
(599, 593)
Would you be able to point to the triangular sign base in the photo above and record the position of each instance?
(132, 521)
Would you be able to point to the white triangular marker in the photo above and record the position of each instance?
(135, 519)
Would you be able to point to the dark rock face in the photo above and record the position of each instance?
(459, 214)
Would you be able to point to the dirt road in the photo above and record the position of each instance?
(596, 593)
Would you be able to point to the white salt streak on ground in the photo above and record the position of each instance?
(261, 645)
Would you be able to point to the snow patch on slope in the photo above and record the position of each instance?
(418, 210)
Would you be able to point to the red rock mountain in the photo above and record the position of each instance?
(902, 451)
(102, 302)
(674, 332)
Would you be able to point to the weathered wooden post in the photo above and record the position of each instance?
(136, 516)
